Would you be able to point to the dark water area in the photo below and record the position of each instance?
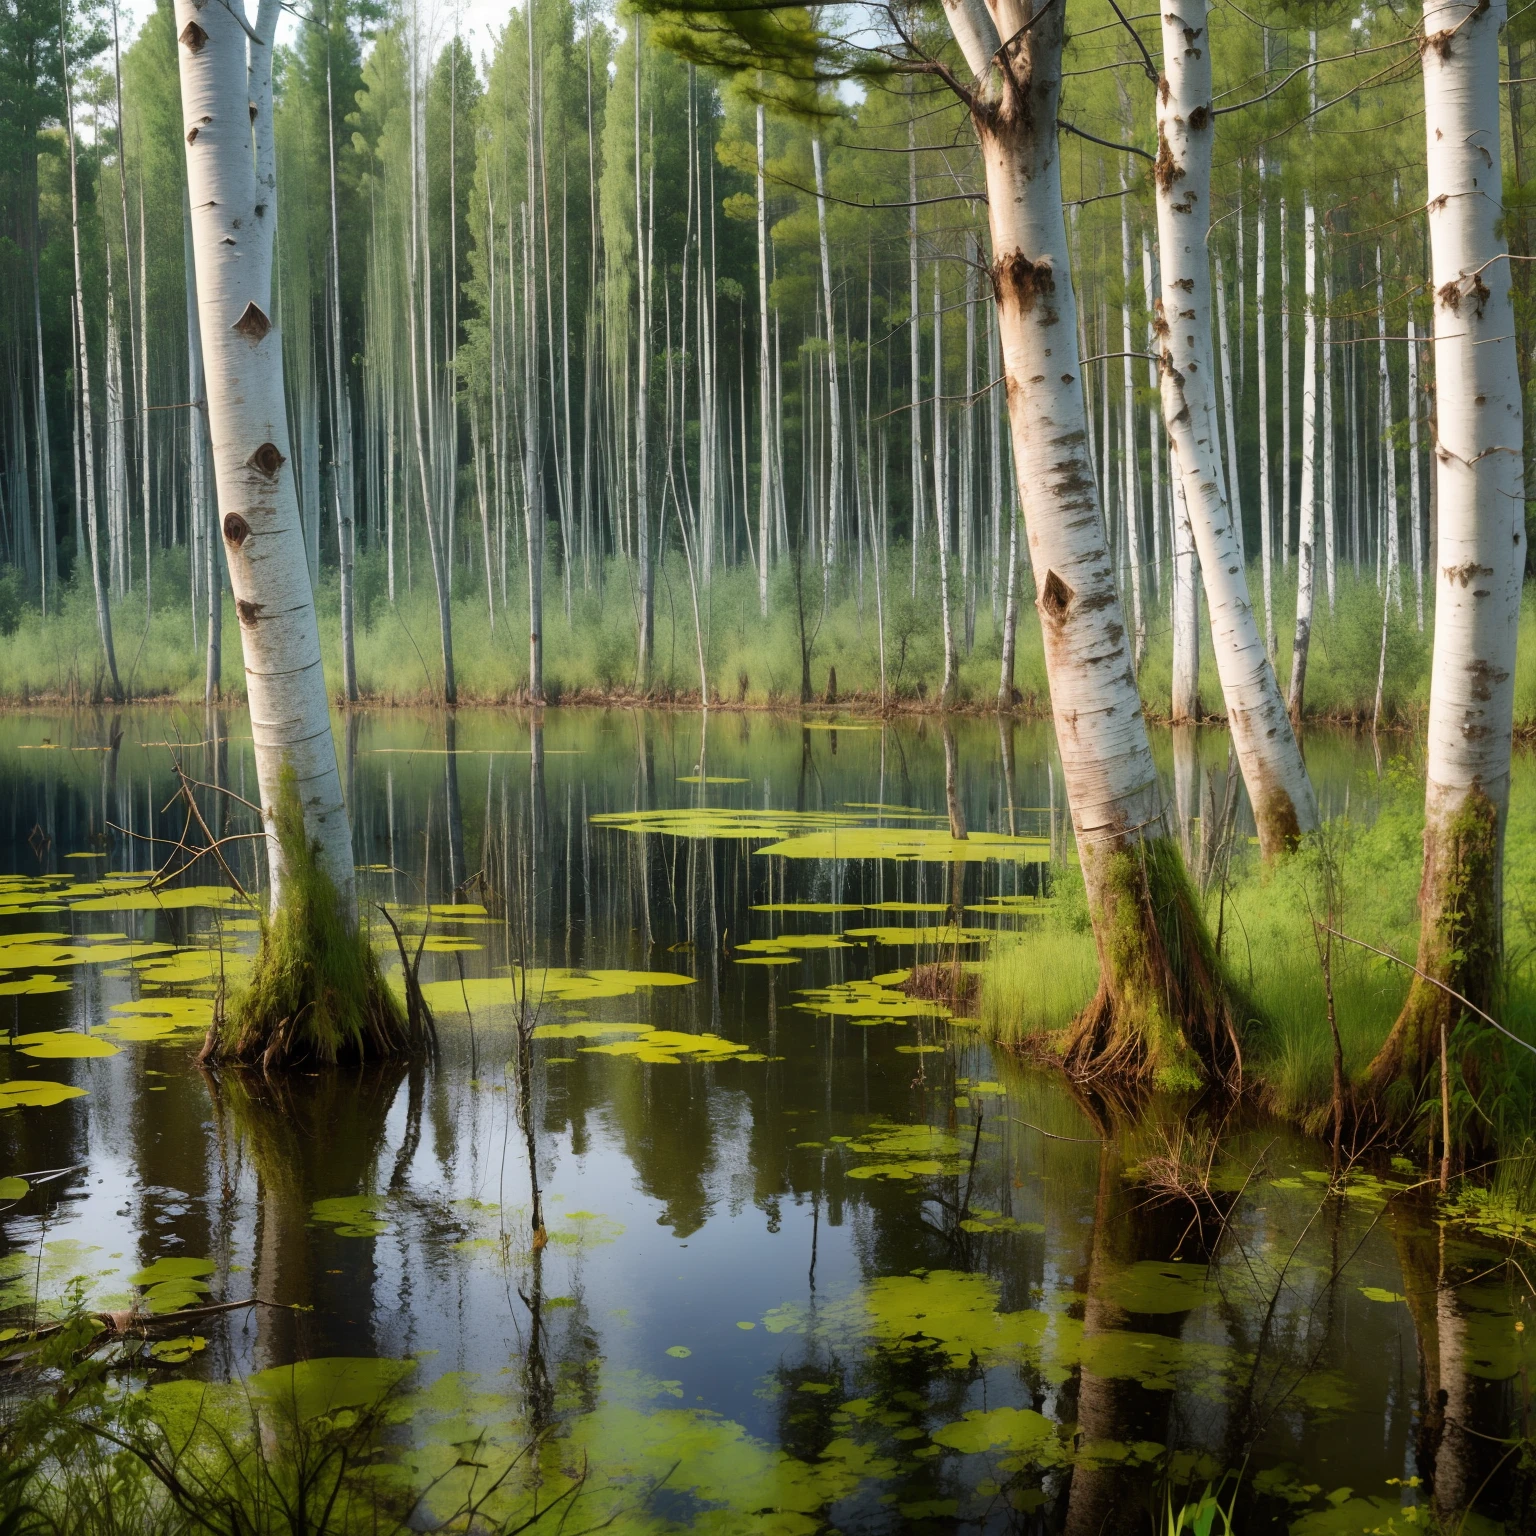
(817, 1257)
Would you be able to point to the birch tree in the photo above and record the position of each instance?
(315, 990)
(1479, 470)
(1279, 790)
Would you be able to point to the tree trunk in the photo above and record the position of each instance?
(941, 494)
(1415, 489)
(764, 362)
(1185, 604)
(87, 427)
(1307, 523)
(1266, 512)
(1161, 1011)
(289, 720)
(1130, 464)
(1481, 553)
(835, 414)
(1279, 790)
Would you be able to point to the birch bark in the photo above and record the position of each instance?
(290, 723)
(1479, 470)
(1160, 1011)
(1279, 790)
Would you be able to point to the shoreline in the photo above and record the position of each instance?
(859, 706)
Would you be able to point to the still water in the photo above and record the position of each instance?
(817, 1258)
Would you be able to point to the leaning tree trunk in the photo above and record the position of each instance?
(1161, 1011)
(1284, 805)
(1479, 472)
(315, 991)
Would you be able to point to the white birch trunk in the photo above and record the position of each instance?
(941, 493)
(1388, 448)
(1266, 511)
(1279, 790)
(916, 342)
(1285, 392)
(1307, 529)
(1415, 490)
(1155, 433)
(1329, 478)
(1481, 555)
(1129, 463)
(835, 413)
(87, 470)
(764, 362)
(1185, 603)
(1116, 799)
(1229, 404)
(290, 723)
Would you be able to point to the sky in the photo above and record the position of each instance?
(478, 21)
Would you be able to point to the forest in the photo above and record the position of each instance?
(799, 739)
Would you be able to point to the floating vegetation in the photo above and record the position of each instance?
(907, 1152)
(868, 1000)
(1016, 905)
(63, 1045)
(768, 960)
(586, 1029)
(536, 987)
(352, 1215)
(173, 1283)
(906, 906)
(793, 941)
(33, 986)
(935, 936)
(441, 944)
(667, 1047)
(36, 1093)
(926, 844)
(191, 967)
(710, 778)
(719, 821)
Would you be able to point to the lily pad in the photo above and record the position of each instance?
(352, 1215)
(64, 1045)
(36, 1093)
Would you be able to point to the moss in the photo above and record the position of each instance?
(315, 993)
(1162, 1012)
(1460, 945)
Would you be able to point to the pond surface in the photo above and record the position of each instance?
(817, 1258)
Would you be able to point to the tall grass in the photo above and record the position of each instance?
(589, 640)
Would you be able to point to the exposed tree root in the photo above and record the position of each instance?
(1165, 1013)
(315, 993)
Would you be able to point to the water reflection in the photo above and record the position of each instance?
(860, 1270)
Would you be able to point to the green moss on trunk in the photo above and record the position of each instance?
(315, 992)
(1460, 945)
(1163, 1012)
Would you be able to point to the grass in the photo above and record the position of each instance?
(590, 649)
(1033, 984)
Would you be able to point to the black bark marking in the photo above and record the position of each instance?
(1200, 118)
(193, 37)
(267, 460)
(1015, 277)
(253, 323)
(1055, 596)
(236, 529)
(249, 612)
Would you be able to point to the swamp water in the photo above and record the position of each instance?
(817, 1258)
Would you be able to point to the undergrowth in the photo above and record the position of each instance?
(1035, 982)
(589, 641)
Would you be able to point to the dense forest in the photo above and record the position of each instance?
(583, 340)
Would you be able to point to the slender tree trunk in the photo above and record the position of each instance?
(941, 496)
(341, 409)
(1130, 464)
(764, 360)
(1285, 393)
(1185, 602)
(83, 367)
(285, 682)
(1279, 790)
(835, 412)
(1481, 554)
(1160, 1011)
(915, 338)
(1266, 511)
(1155, 433)
(1415, 490)
(1307, 529)
(1229, 407)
